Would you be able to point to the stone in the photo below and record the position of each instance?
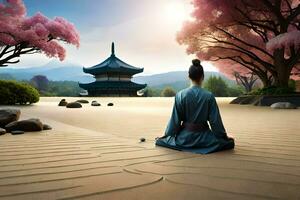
(142, 139)
(47, 127)
(82, 101)
(8, 115)
(2, 131)
(74, 105)
(17, 132)
(63, 102)
(110, 104)
(95, 103)
(267, 100)
(25, 125)
(283, 105)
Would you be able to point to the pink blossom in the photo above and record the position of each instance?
(37, 31)
(285, 41)
(239, 35)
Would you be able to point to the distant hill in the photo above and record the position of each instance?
(57, 71)
(177, 79)
(54, 71)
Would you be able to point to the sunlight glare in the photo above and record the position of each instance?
(176, 13)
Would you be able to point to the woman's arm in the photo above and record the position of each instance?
(215, 119)
(174, 124)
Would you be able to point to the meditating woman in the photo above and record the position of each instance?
(188, 128)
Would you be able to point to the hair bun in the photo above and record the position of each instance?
(196, 62)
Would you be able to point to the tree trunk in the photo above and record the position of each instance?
(283, 76)
(267, 82)
(281, 79)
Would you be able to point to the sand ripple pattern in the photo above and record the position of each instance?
(76, 162)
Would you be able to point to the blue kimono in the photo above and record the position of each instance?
(188, 129)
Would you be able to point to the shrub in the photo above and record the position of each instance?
(13, 92)
(235, 91)
(273, 91)
(151, 92)
(217, 86)
(168, 92)
(292, 84)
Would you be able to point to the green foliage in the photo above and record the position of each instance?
(217, 86)
(152, 92)
(13, 92)
(168, 92)
(220, 88)
(62, 88)
(292, 84)
(273, 91)
(235, 91)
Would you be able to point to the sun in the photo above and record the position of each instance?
(176, 13)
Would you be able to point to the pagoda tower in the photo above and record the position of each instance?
(113, 78)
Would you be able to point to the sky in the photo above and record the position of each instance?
(144, 32)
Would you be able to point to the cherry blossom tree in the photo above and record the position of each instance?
(21, 35)
(257, 36)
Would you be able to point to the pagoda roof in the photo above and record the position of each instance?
(113, 64)
(112, 85)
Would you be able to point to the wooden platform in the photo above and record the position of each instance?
(77, 161)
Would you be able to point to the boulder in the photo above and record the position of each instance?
(17, 132)
(110, 104)
(25, 125)
(2, 131)
(283, 105)
(47, 127)
(8, 115)
(82, 101)
(74, 105)
(142, 139)
(95, 103)
(63, 102)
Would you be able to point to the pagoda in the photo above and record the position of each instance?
(113, 78)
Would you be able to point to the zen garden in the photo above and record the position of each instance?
(141, 99)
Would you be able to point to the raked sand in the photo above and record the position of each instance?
(94, 153)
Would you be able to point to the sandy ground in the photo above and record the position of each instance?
(94, 153)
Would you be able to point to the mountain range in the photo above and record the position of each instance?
(57, 71)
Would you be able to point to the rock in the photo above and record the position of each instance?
(82, 101)
(110, 104)
(47, 127)
(25, 125)
(8, 115)
(17, 132)
(74, 105)
(283, 105)
(95, 103)
(2, 131)
(142, 139)
(63, 102)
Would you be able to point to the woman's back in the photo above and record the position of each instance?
(195, 102)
